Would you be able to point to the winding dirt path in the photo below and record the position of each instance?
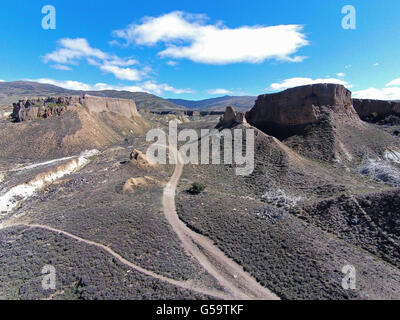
(182, 284)
(236, 282)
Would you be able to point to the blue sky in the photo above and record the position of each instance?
(203, 49)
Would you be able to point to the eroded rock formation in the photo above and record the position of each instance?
(375, 109)
(37, 108)
(231, 118)
(288, 112)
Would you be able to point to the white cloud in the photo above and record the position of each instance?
(2, 80)
(392, 93)
(121, 73)
(219, 91)
(171, 63)
(295, 82)
(67, 84)
(187, 36)
(340, 74)
(147, 86)
(61, 67)
(156, 88)
(395, 82)
(376, 64)
(70, 51)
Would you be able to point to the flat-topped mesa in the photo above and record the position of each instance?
(125, 107)
(287, 113)
(372, 110)
(36, 108)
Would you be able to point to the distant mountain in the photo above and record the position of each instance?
(13, 91)
(218, 104)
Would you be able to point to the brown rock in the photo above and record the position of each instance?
(375, 108)
(35, 108)
(125, 107)
(286, 113)
(231, 118)
(139, 159)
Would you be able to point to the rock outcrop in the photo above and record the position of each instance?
(37, 108)
(319, 121)
(375, 109)
(134, 183)
(125, 107)
(231, 118)
(287, 113)
(139, 159)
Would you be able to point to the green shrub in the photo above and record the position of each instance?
(196, 188)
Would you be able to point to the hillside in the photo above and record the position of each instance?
(218, 104)
(13, 91)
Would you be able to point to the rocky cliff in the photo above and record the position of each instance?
(287, 113)
(36, 108)
(320, 122)
(378, 109)
(58, 127)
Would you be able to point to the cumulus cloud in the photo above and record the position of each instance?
(376, 64)
(295, 82)
(395, 82)
(61, 67)
(71, 51)
(390, 92)
(121, 73)
(340, 74)
(379, 94)
(147, 86)
(172, 63)
(66, 84)
(219, 91)
(188, 36)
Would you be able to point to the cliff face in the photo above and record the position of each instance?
(287, 113)
(36, 108)
(320, 122)
(375, 108)
(125, 107)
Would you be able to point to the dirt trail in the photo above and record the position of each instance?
(232, 277)
(182, 284)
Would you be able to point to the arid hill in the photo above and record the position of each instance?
(319, 121)
(11, 92)
(60, 126)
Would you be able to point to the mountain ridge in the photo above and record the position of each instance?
(242, 103)
(11, 92)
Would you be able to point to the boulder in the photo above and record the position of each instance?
(139, 159)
